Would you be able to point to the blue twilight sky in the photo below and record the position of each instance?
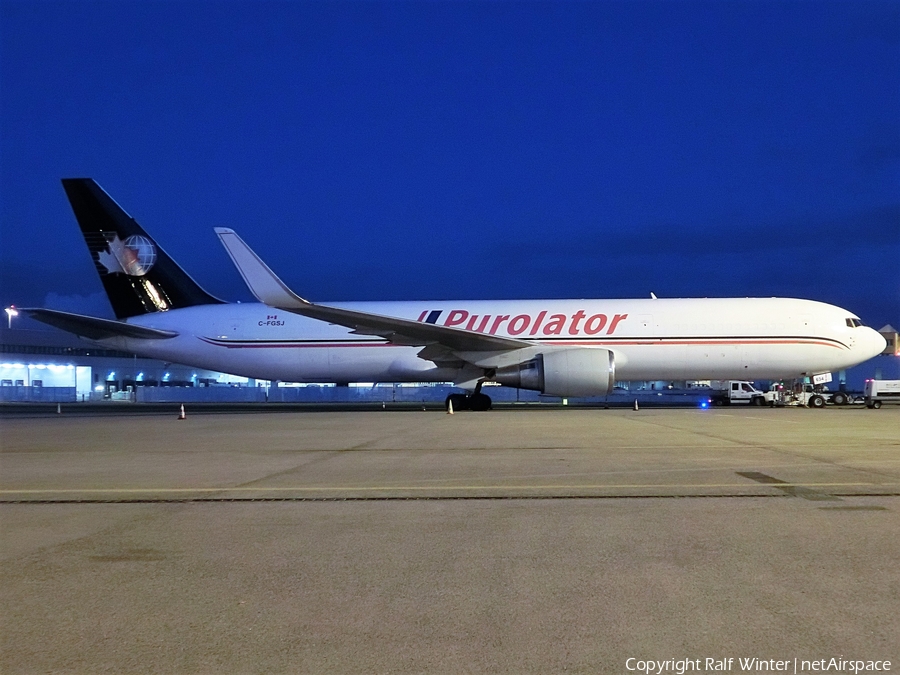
(437, 150)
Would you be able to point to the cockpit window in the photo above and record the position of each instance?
(854, 323)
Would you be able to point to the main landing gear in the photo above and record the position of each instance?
(475, 401)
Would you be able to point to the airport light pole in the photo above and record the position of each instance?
(10, 313)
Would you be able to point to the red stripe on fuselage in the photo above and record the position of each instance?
(568, 343)
(294, 345)
(678, 341)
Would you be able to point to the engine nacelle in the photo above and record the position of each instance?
(563, 372)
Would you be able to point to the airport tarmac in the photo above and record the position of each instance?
(514, 541)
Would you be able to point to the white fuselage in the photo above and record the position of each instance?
(727, 338)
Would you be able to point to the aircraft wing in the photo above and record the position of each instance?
(94, 328)
(270, 290)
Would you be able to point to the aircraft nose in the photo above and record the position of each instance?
(874, 343)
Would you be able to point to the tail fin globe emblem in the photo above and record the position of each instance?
(135, 256)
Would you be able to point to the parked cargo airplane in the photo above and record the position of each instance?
(558, 347)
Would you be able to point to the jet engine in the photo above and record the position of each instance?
(563, 372)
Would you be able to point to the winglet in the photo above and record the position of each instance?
(262, 281)
(270, 290)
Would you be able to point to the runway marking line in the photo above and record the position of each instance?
(424, 488)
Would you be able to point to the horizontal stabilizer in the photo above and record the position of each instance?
(94, 328)
(272, 291)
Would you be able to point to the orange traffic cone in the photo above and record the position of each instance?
(450, 407)
(636, 405)
(181, 414)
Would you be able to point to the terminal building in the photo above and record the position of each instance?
(47, 365)
(38, 361)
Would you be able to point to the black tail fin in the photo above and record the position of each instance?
(138, 276)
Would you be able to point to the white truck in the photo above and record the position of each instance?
(879, 391)
(735, 391)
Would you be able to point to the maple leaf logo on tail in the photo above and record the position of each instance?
(135, 256)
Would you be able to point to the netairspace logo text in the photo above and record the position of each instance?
(756, 665)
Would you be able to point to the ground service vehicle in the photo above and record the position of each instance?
(879, 391)
(805, 394)
(736, 391)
